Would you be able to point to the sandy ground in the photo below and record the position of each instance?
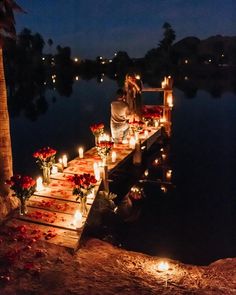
(32, 267)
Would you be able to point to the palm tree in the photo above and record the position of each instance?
(7, 29)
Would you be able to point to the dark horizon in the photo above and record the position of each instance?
(92, 29)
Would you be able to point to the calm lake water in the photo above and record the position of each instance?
(194, 221)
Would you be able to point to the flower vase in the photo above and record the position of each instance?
(83, 206)
(96, 137)
(46, 175)
(104, 161)
(23, 207)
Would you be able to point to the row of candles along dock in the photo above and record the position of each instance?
(97, 166)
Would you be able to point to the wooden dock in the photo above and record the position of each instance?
(51, 210)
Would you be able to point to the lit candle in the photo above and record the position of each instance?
(132, 142)
(170, 100)
(77, 219)
(163, 266)
(124, 141)
(81, 152)
(113, 156)
(146, 173)
(156, 124)
(60, 165)
(64, 160)
(54, 169)
(39, 184)
(96, 170)
(146, 133)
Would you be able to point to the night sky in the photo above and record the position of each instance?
(102, 27)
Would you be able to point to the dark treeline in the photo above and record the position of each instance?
(192, 62)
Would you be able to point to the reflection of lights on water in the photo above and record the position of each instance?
(163, 266)
(156, 162)
(164, 189)
(163, 156)
(169, 174)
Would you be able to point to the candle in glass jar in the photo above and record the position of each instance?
(54, 169)
(113, 157)
(132, 142)
(96, 170)
(81, 152)
(64, 160)
(39, 184)
(77, 219)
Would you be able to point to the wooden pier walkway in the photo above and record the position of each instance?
(51, 210)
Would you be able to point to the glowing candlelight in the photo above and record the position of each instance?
(96, 170)
(164, 189)
(124, 141)
(146, 133)
(113, 156)
(132, 142)
(163, 156)
(156, 124)
(163, 84)
(77, 219)
(104, 137)
(54, 169)
(146, 173)
(81, 152)
(168, 174)
(170, 100)
(39, 184)
(64, 160)
(60, 165)
(163, 266)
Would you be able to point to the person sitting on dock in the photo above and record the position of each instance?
(120, 114)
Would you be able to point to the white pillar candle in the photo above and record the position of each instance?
(77, 219)
(39, 184)
(132, 142)
(54, 169)
(64, 160)
(96, 170)
(145, 133)
(60, 165)
(81, 152)
(113, 156)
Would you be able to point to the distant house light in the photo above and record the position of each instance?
(186, 61)
(76, 59)
(43, 58)
(209, 60)
(103, 62)
(101, 80)
(110, 60)
(115, 54)
(77, 78)
(186, 78)
(100, 57)
(222, 55)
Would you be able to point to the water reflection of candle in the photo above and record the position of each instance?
(168, 174)
(64, 160)
(132, 142)
(81, 152)
(113, 157)
(96, 170)
(39, 184)
(77, 219)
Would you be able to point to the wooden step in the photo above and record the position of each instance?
(46, 217)
(62, 237)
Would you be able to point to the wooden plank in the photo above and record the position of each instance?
(152, 89)
(63, 194)
(54, 205)
(63, 237)
(55, 219)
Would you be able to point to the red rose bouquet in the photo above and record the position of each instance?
(23, 187)
(45, 159)
(83, 185)
(97, 129)
(104, 148)
(136, 126)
